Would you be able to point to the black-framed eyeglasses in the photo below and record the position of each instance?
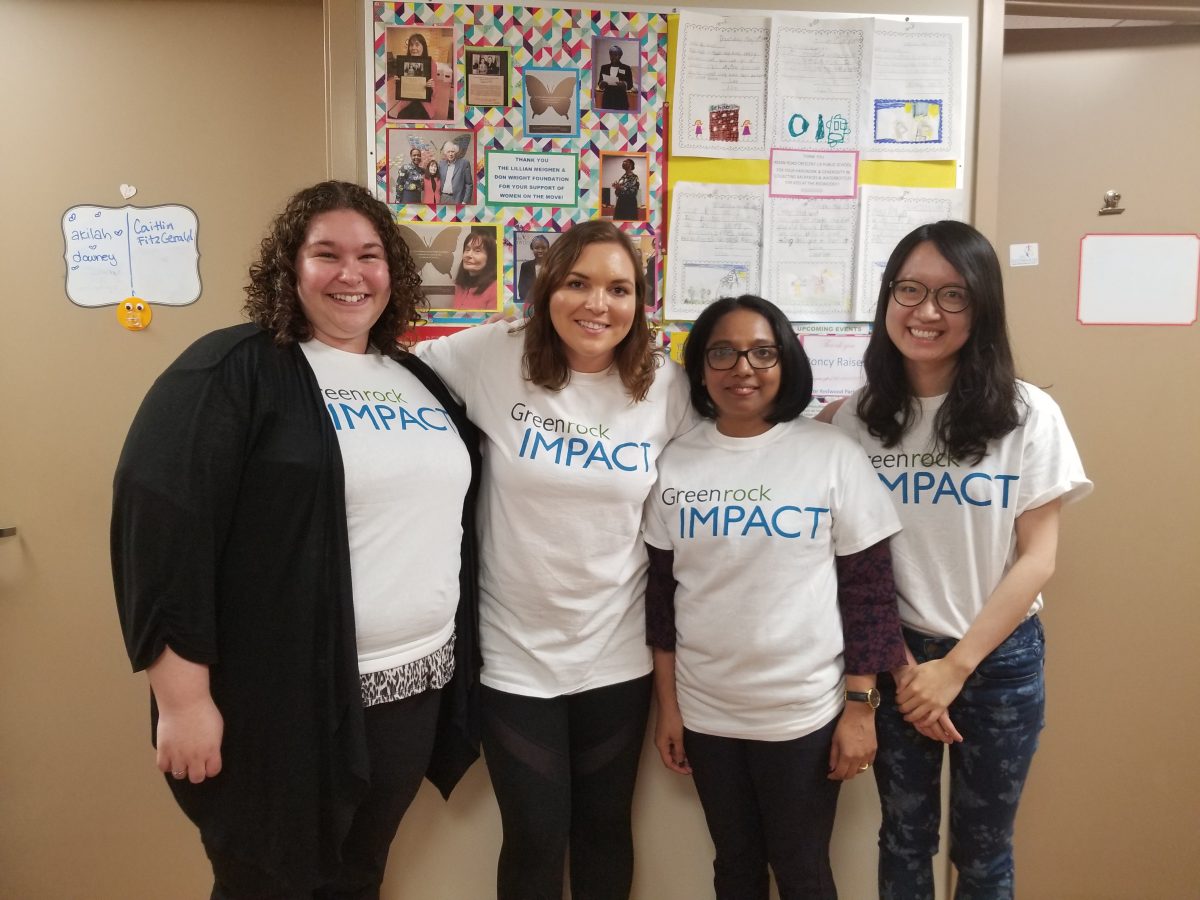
(721, 358)
(951, 298)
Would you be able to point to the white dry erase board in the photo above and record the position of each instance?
(148, 252)
(1138, 279)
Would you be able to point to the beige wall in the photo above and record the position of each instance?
(1112, 809)
(215, 104)
(220, 105)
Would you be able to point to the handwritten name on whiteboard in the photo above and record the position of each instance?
(131, 251)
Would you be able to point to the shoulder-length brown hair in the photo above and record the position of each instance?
(272, 301)
(545, 361)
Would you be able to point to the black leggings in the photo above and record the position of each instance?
(563, 769)
(399, 742)
(767, 802)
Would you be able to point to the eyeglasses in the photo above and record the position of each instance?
(721, 358)
(950, 298)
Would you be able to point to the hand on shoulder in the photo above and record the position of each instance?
(830, 410)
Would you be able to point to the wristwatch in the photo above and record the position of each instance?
(871, 697)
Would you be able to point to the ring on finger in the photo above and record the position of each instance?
(864, 767)
(178, 773)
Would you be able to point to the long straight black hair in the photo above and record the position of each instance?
(982, 404)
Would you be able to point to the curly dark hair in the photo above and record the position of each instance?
(545, 362)
(983, 403)
(272, 301)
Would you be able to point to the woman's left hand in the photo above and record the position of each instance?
(930, 691)
(854, 743)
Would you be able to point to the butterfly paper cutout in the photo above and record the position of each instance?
(439, 254)
(557, 98)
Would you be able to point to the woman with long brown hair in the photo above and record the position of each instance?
(575, 407)
(475, 281)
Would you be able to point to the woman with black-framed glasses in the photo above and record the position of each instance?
(770, 604)
(978, 465)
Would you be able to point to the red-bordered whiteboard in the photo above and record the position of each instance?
(1139, 279)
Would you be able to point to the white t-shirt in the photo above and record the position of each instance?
(406, 474)
(959, 535)
(755, 524)
(565, 475)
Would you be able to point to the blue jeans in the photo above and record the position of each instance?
(999, 713)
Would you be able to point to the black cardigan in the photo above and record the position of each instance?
(229, 544)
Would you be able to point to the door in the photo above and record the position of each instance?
(1110, 807)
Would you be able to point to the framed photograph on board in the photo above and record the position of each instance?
(624, 178)
(616, 74)
(529, 251)
(551, 102)
(459, 264)
(445, 159)
(487, 76)
(420, 74)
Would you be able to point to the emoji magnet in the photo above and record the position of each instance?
(134, 314)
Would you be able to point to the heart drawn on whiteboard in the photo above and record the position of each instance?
(128, 190)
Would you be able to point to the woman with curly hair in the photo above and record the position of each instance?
(310, 659)
(575, 407)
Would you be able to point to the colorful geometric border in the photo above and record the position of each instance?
(536, 36)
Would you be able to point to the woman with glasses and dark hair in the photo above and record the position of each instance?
(979, 465)
(770, 604)
(575, 406)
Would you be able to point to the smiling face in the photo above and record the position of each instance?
(928, 337)
(342, 279)
(415, 47)
(134, 314)
(415, 155)
(450, 152)
(538, 247)
(593, 309)
(742, 396)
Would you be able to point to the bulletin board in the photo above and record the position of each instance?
(529, 93)
(547, 135)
